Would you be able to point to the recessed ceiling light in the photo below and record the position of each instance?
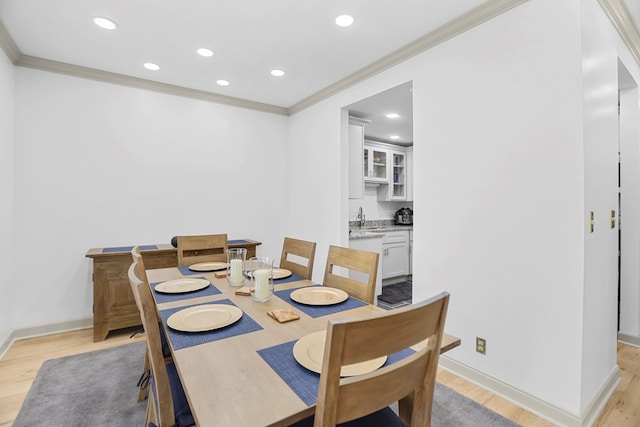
(344, 20)
(105, 23)
(223, 82)
(392, 115)
(394, 137)
(277, 73)
(203, 51)
(151, 66)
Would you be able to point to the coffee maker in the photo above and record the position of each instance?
(404, 216)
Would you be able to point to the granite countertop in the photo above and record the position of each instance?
(373, 231)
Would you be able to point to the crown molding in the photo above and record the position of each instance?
(474, 17)
(134, 82)
(8, 45)
(621, 19)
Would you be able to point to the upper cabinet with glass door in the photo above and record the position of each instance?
(398, 190)
(376, 165)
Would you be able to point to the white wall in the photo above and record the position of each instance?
(6, 193)
(600, 116)
(100, 165)
(372, 208)
(504, 184)
(499, 196)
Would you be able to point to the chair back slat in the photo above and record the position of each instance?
(301, 249)
(353, 260)
(204, 248)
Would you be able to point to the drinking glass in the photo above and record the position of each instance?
(260, 270)
(236, 265)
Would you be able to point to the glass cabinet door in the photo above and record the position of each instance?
(375, 164)
(399, 183)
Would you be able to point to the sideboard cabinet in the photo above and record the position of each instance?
(113, 304)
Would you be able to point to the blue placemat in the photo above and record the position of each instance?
(301, 380)
(320, 310)
(237, 242)
(128, 248)
(292, 278)
(162, 297)
(180, 339)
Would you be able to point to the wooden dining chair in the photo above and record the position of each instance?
(355, 260)
(141, 275)
(204, 248)
(167, 403)
(294, 250)
(363, 401)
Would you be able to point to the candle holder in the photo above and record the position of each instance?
(260, 269)
(236, 265)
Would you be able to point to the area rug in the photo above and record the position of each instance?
(396, 293)
(99, 389)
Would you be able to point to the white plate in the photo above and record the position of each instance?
(179, 286)
(281, 273)
(204, 317)
(319, 295)
(278, 273)
(208, 266)
(309, 352)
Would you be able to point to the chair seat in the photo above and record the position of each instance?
(383, 418)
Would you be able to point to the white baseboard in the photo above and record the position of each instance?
(631, 340)
(532, 404)
(38, 331)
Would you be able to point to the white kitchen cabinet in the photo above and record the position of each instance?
(376, 165)
(398, 187)
(388, 167)
(395, 254)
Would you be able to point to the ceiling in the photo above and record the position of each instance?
(249, 38)
(374, 109)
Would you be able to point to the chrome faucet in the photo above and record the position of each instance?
(360, 217)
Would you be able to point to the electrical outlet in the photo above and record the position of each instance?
(481, 345)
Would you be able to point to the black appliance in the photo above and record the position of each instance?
(404, 216)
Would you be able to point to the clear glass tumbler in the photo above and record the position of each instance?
(260, 270)
(236, 259)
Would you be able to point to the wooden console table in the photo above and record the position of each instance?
(113, 303)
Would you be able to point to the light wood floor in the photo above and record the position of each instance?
(20, 365)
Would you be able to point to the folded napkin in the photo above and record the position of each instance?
(220, 274)
(284, 315)
(245, 291)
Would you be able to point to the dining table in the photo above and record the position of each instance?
(245, 373)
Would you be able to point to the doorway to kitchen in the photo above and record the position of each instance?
(379, 147)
